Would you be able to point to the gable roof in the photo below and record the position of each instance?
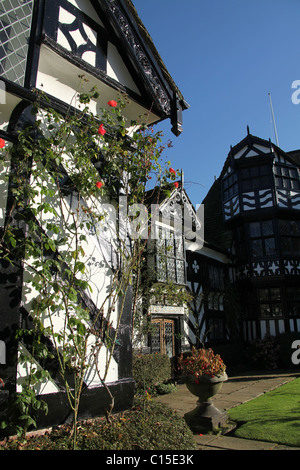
(141, 53)
(104, 40)
(170, 201)
(252, 146)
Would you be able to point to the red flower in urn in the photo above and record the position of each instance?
(200, 362)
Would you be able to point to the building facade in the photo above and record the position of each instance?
(47, 45)
(177, 228)
(252, 214)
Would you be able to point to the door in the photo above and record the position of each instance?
(162, 336)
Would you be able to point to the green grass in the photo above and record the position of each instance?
(272, 417)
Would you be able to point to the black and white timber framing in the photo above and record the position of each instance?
(46, 45)
(252, 220)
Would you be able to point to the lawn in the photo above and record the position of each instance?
(272, 417)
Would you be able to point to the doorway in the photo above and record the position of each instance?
(163, 336)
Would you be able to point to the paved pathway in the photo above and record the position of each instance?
(237, 390)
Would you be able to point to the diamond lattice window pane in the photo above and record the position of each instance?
(15, 25)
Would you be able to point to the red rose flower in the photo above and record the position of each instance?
(101, 130)
(176, 184)
(172, 171)
(2, 143)
(99, 184)
(112, 103)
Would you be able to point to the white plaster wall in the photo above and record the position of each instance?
(117, 69)
(212, 254)
(86, 7)
(24, 368)
(98, 274)
(7, 108)
(240, 153)
(60, 79)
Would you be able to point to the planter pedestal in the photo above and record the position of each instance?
(206, 417)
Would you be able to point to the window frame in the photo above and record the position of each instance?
(170, 254)
(293, 302)
(263, 237)
(284, 181)
(258, 178)
(289, 236)
(272, 300)
(230, 185)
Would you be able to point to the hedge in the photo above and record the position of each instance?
(151, 369)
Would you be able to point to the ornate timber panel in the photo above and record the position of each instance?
(263, 268)
(138, 51)
(288, 199)
(231, 208)
(257, 200)
(71, 29)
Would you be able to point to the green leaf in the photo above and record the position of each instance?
(13, 242)
(81, 329)
(79, 266)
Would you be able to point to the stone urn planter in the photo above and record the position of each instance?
(204, 373)
(205, 417)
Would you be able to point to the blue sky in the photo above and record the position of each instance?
(225, 57)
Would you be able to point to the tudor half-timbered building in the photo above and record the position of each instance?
(46, 45)
(177, 228)
(252, 215)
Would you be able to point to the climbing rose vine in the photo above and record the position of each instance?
(58, 184)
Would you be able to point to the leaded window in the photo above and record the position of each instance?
(262, 239)
(170, 257)
(230, 186)
(162, 340)
(215, 301)
(286, 177)
(293, 301)
(289, 236)
(255, 178)
(15, 27)
(216, 277)
(270, 303)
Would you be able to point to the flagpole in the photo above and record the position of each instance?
(273, 118)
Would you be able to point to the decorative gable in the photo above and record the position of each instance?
(179, 211)
(48, 44)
